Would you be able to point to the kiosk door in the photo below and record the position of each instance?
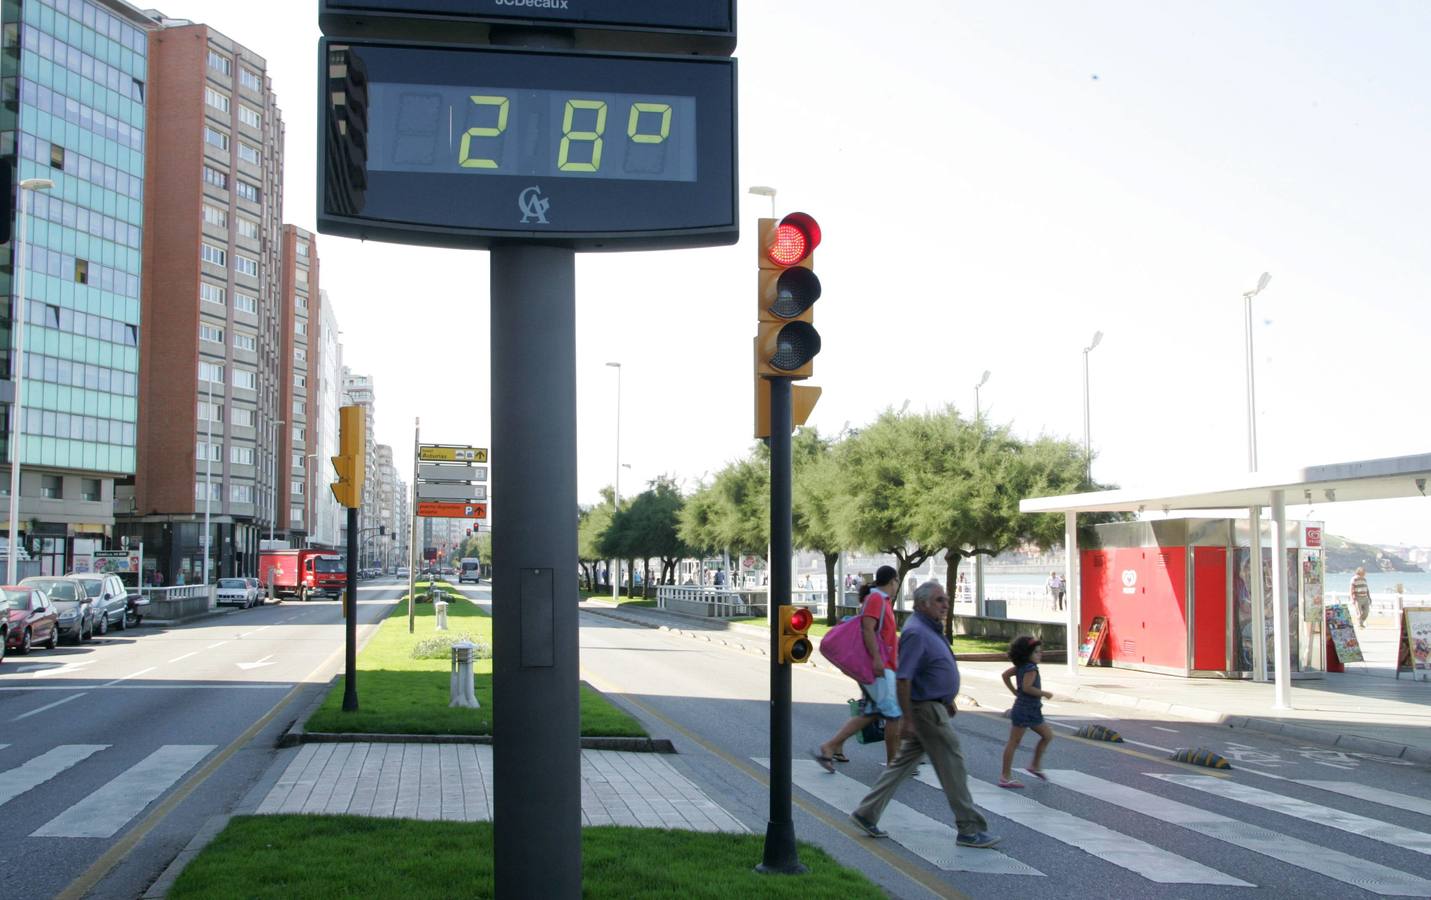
(1210, 609)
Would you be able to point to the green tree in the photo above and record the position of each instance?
(817, 484)
(591, 524)
(733, 512)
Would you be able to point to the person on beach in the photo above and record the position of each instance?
(928, 682)
(877, 700)
(1022, 679)
(1360, 595)
(1055, 589)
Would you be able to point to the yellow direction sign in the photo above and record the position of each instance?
(451, 453)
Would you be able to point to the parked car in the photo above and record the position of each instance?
(256, 589)
(234, 592)
(68, 596)
(403, 571)
(28, 619)
(111, 599)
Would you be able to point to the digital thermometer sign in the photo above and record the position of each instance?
(467, 146)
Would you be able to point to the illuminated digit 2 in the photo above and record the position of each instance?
(634, 120)
(464, 157)
(567, 136)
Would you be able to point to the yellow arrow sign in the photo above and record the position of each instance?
(450, 453)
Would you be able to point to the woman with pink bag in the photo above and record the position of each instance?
(879, 700)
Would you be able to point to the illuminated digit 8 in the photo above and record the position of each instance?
(464, 157)
(634, 120)
(567, 136)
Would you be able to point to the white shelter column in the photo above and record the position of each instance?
(1280, 643)
(1073, 589)
(1258, 626)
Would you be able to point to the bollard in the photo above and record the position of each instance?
(441, 607)
(462, 684)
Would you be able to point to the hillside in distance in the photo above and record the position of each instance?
(1343, 555)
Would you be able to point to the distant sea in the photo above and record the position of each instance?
(1336, 582)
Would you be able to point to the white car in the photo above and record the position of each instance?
(403, 572)
(234, 591)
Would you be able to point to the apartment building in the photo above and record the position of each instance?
(298, 386)
(74, 127)
(329, 519)
(358, 390)
(213, 376)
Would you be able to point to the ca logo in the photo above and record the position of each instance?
(533, 206)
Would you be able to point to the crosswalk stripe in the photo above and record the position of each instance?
(1342, 867)
(37, 771)
(1386, 832)
(1372, 794)
(1153, 863)
(918, 833)
(107, 810)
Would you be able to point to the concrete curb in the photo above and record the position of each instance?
(628, 744)
(210, 830)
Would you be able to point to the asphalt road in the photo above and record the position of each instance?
(98, 740)
(1290, 820)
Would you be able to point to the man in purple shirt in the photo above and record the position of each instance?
(928, 682)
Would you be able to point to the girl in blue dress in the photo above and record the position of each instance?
(1022, 680)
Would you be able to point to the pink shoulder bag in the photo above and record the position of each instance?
(844, 647)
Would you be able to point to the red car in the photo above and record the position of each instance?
(29, 619)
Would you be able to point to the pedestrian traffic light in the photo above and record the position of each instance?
(352, 457)
(795, 646)
(787, 341)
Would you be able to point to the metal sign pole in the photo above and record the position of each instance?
(412, 528)
(350, 610)
(535, 705)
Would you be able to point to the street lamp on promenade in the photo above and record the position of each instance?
(1087, 429)
(273, 474)
(616, 504)
(1251, 388)
(764, 191)
(17, 373)
(982, 381)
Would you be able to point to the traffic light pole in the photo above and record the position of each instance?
(781, 855)
(535, 704)
(350, 617)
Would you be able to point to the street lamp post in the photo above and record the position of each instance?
(1251, 388)
(764, 191)
(17, 373)
(1254, 513)
(273, 475)
(616, 504)
(982, 381)
(311, 500)
(1087, 428)
(208, 476)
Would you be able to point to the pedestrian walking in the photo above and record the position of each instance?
(1056, 589)
(880, 699)
(928, 682)
(1360, 595)
(1022, 678)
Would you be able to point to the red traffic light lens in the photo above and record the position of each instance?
(801, 619)
(795, 238)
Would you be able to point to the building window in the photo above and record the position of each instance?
(241, 493)
(300, 276)
(216, 178)
(242, 456)
(297, 487)
(245, 302)
(300, 355)
(214, 488)
(220, 63)
(247, 228)
(90, 490)
(205, 452)
(300, 407)
(300, 327)
(298, 460)
(215, 138)
(298, 433)
(217, 99)
(57, 157)
(303, 249)
(246, 379)
(245, 342)
(211, 333)
(300, 382)
(210, 412)
(246, 191)
(245, 265)
(212, 293)
(52, 487)
(82, 271)
(250, 154)
(215, 256)
(250, 116)
(242, 418)
(219, 218)
(211, 372)
(250, 79)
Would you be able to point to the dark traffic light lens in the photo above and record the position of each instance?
(795, 291)
(801, 650)
(796, 345)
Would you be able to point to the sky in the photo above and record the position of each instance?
(995, 183)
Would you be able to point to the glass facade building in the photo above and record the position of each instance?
(73, 74)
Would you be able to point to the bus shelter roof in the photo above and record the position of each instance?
(1366, 479)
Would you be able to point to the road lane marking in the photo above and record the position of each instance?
(921, 835)
(36, 712)
(185, 656)
(1153, 863)
(42, 768)
(109, 808)
(1386, 832)
(255, 631)
(1168, 730)
(129, 676)
(1334, 864)
(266, 661)
(213, 646)
(1370, 794)
(181, 686)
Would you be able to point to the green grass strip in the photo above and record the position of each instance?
(313, 857)
(401, 695)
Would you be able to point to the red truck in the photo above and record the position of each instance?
(302, 573)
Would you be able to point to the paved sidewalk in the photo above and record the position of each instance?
(454, 782)
(1382, 715)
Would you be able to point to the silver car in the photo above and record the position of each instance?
(69, 599)
(234, 591)
(110, 596)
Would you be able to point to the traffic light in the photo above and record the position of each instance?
(350, 463)
(787, 341)
(795, 646)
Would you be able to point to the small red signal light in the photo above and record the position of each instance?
(801, 619)
(795, 238)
